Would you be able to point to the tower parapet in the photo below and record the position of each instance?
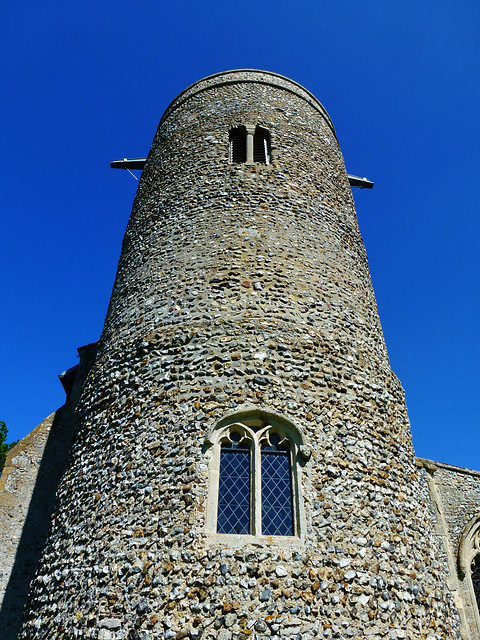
(244, 465)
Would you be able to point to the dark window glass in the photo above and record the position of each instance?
(261, 146)
(238, 146)
(234, 488)
(277, 513)
(476, 578)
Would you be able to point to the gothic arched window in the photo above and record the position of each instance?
(255, 477)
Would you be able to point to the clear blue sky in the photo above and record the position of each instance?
(86, 82)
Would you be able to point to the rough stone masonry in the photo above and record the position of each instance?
(243, 295)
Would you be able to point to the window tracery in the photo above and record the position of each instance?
(255, 477)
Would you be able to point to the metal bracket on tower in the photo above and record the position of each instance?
(363, 183)
(139, 163)
(129, 163)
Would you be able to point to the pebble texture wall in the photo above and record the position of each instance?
(28, 485)
(456, 493)
(241, 288)
(460, 495)
(17, 482)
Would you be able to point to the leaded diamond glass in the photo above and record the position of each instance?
(476, 578)
(234, 488)
(277, 515)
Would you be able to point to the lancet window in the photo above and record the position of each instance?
(276, 478)
(238, 145)
(234, 501)
(261, 146)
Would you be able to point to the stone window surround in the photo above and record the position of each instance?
(254, 425)
(251, 130)
(468, 548)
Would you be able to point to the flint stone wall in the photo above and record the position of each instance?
(456, 494)
(241, 288)
(16, 488)
(28, 484)
(460, 493)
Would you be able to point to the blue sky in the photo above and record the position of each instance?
(87, 82)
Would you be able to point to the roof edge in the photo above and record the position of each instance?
(433, 465)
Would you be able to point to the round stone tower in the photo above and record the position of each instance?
(243, 465)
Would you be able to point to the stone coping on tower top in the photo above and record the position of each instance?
(256, 76)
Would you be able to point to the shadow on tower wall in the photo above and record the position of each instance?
(41, 495)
